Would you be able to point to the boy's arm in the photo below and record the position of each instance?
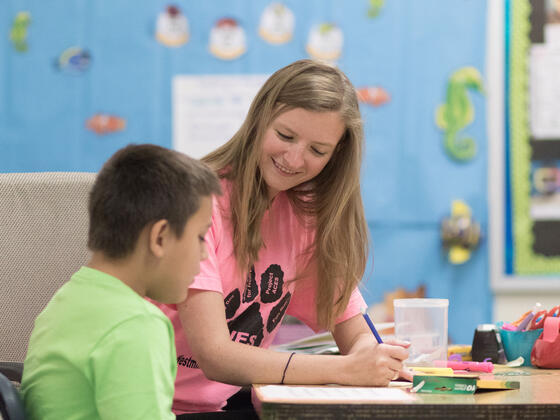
(205, 326)
(134, 370)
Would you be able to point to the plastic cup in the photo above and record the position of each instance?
(519, 343)
(423, 323)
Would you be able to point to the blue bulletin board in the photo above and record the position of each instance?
(407, 53)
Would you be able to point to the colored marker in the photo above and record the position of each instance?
(372, 327)
(432, 370)
(470, 366)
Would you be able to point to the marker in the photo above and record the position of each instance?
(470, 366)
(372, 327)
(432, 370)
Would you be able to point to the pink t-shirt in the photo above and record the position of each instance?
(254, 306)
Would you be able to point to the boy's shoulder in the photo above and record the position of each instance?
(92, 296)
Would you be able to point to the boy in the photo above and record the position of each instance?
(99, 349)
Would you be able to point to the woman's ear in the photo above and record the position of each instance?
(158, 236)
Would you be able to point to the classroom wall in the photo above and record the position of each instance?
(410, 49)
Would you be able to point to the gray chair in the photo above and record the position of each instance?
(11, 406)
(43, 241)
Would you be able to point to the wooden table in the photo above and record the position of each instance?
(537, 398)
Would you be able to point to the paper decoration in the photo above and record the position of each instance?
(227, 39)
(375, 7)
(325, 42)
(457, 113)
(172, 27)
(18, 33)
(102, 124)
(544, 106)
(545, 191)
(460, 234)
(277, 24)
(374, 95)
(209, 109)
(74, 60)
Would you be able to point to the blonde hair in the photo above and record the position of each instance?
(332, 198)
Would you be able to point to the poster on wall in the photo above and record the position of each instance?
(534, 139)
(209, 109)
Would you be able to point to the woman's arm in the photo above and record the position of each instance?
(205, 326)
(354, 337)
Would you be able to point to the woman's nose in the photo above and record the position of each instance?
(294, 156)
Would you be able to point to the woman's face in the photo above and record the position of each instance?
(296, 147)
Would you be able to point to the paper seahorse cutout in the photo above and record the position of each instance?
(375, 7)
(457, 112)
(18, 33)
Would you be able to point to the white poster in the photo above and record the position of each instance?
(544, 91)
(209, 109)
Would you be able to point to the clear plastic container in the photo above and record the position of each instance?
(423, 323)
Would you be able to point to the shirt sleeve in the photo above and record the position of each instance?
(134, 370)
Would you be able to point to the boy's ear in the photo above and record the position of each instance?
(158, 234)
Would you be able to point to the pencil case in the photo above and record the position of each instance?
(546, 351)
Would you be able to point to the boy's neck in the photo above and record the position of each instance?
(125, 269)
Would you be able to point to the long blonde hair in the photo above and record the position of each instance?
(332, 198)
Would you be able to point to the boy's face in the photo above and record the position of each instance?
(184, 254)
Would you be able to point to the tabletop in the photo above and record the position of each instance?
(537, 398)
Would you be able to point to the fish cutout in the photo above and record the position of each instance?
(460, 233)
(375, 7)
(457, 112)
(18, 33)
(104, 124)
(74, 60)
(374, 95)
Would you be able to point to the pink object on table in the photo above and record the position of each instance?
(508, 327)
(469, 366)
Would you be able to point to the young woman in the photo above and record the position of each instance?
(288, 236)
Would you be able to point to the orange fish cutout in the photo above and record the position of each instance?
(105, 123)
(374, 95)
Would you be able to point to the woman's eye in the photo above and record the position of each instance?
(201, 238)
(318, 152)
(284, 136)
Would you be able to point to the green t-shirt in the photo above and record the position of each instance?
(99, 351)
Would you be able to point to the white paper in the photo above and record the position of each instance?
(544, 88)
(332, 393)
(545, 207)
(209, 109)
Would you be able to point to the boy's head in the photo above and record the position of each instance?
(160, 195)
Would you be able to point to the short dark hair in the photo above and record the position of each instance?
(139, 185)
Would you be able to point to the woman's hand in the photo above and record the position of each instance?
(370, 363)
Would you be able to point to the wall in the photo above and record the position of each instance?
(410, 49)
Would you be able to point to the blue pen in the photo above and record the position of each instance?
(372, 327)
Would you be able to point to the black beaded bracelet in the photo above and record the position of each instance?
(286, 368)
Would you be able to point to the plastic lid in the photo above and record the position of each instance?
(421, 303)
